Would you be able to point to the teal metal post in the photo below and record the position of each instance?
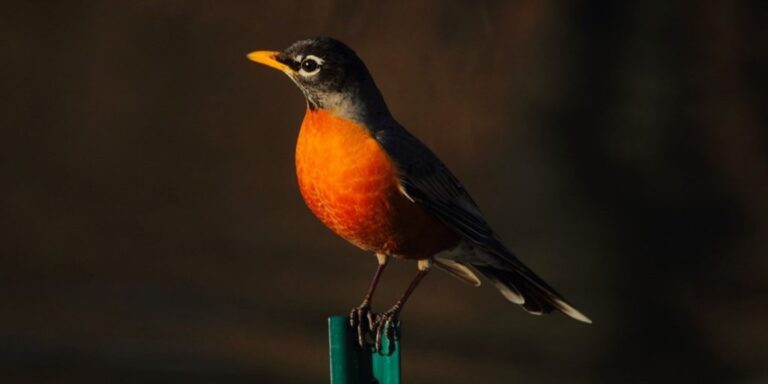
(350, 364)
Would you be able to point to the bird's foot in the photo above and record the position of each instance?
(387, 325)
(363, 321)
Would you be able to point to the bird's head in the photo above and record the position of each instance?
(331, 76)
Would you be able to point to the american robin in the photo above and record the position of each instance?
(377, 186)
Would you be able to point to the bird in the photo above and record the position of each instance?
(380, 188)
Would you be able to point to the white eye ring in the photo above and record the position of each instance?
(310, 66)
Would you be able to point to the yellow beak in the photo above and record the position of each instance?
(268, 58)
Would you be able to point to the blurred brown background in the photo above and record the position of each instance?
(152, 230)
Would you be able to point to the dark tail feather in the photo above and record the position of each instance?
(521, 286)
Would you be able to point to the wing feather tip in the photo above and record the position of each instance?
(509, 294)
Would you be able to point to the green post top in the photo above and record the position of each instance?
(351, 364)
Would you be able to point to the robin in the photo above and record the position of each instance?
(377, 186)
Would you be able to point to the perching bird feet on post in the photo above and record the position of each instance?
(370, 328)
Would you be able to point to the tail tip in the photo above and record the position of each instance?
(571, 311)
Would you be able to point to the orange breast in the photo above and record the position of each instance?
(351, 185)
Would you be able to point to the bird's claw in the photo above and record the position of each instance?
(363, 321)
(387, 325)
(377, 326)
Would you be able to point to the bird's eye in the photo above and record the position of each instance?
(310, 65)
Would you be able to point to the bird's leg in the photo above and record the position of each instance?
(361, 318)
(387, 322)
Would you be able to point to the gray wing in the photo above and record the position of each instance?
(428, 182)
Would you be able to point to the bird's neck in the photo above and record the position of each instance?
(363, 104)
